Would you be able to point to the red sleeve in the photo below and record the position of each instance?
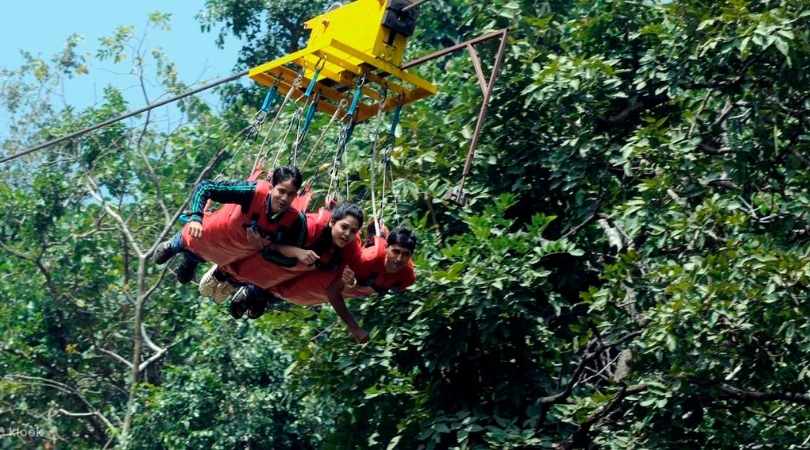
(301, 202)
(409, 278)
(316, 222)
(353, 255)
(371, 259)
(370, 254)
(256, 174)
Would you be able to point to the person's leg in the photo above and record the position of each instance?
(240, 301)
(166, 250)
(212, 286)
(252, 300)
(261, 303)
(220, 275)
(187, 268)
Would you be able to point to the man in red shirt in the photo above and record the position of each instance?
(384, 266)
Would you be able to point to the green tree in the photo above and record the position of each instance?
(630, 272)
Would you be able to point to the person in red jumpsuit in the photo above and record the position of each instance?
(331, 245)
(385, 266)
(254, 214)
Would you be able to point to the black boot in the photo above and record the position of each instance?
(164, 252)
(256, 307)
(259, 302)
(186, 270)
(239, 302)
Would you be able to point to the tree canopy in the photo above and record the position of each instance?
(630, 272)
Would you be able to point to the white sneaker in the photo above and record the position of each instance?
(215, 289)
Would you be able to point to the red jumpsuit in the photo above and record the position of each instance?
(255, 269)
(225, 230)
(310, 289)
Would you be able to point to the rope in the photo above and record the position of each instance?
(413, 5)
(262, 153)
(269, 99)
(302, 132)
(345, 136)
(283, 142)
(251, 132)
(310, 107)
(373, 163)
(387, 167)
(318, 142)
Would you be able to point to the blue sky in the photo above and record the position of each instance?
(41, 28)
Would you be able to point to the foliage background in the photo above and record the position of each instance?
(631, 271)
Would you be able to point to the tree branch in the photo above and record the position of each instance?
(116, 356)
(68, 390)
(580, 437)
(139, 147)
(742, 394)
(89, 414)
(591, 214)
(154, 287)
(93, 190)
(148, 341)
(575, 378)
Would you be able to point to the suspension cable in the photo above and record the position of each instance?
(387, 167)
(124, 116)
(322, 136)
(263, 153)
(345, 136)
(372, 167)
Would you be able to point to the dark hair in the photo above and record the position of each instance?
(348, 209)
(402, 237)
(284, 173)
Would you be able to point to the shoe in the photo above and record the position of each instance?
(256, 308)
(185, 272)
(239, 303)
(211, 286)
(258, 305)
(163, 252)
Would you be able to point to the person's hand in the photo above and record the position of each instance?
(255, 239)
(360, 335)
(195, 229)
(307, 257)
(348, 278)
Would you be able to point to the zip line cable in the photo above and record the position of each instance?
(124, 116)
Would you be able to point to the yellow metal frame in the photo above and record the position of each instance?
(365, 48)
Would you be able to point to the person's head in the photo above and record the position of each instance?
(286, 181)
(401, 244)
(346, 222)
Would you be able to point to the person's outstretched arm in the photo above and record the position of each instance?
(335, 296)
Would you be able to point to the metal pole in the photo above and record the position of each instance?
(481, 117)
(414, 4)
(124, 116)
(453, 49)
